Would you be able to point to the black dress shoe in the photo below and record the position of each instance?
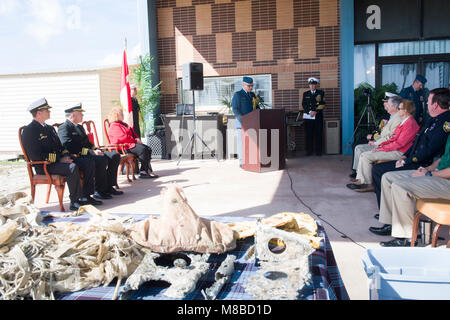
(383, 231)
(115, 192)
(355, 186)
(352, 175)
(74, 206)
(102, 195)
(144, 176)
(397, 242)
(377, 216)
(153, 176)
(90, 200)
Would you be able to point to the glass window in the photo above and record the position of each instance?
(437, 74)
(364, 68)
(218, 90)
(413, 48)
(402, 75)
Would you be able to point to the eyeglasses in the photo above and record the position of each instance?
(401, 108)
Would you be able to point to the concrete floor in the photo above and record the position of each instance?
(223, 189)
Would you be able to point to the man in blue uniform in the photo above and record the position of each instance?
(416, 93)
(242, 103)
(313, 103)
(429, 143)
(42, 144)
(74, 138)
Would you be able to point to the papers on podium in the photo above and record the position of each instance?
(306, 116)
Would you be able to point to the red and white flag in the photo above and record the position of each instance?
(125, 91)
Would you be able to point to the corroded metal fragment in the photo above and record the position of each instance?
(281, 273)
(183, 278)
(223, 275)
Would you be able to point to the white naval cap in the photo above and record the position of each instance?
(388, 95)
(313, 80)
(38, 105)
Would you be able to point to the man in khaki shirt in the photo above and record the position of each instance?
(391, 103)
(399, 192)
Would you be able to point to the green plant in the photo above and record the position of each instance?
(148, 95)
(226, 101)
(376, 103)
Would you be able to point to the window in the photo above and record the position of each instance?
(402, 75)
(364, 70)
(414, 48)
(437, 74)
(217, 90)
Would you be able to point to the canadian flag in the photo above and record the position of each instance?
(125, 91)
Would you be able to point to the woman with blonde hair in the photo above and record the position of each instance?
(120, 133)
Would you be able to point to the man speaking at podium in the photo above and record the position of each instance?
(243, 103)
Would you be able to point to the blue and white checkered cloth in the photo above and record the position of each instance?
(326, 282)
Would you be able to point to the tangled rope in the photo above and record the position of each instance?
(37, 261)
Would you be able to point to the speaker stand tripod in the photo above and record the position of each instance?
(194, 135)
(370, 120)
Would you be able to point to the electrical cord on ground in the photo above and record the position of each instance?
(343, 235)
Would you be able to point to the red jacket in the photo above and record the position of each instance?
(120, 133)
(402, 138)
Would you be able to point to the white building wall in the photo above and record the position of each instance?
(60, 89)
(110, 96)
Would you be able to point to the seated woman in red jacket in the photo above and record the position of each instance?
(120, 133)
(392, 149)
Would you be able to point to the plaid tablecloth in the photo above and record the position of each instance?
(326, 282)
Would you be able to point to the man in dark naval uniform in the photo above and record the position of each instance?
(243, 103)
(416, 93)
(136, 110)
(74, 138)
(429, 143)
(313, 103)
(42, 144)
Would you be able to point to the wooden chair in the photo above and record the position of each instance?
(437, 210)
(56, 180)
(126, 159)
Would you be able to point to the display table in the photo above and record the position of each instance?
(326, 282)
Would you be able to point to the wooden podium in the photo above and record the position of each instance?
(263, 140)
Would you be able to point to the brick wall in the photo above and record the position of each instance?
(290, 39)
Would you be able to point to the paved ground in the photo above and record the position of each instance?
(314, 185)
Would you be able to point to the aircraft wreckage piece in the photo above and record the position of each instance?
(180, 229)
(223, 275)
(281, 274)
(183, 278)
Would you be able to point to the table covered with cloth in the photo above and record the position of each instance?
(325, 284)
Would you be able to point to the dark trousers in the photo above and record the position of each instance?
(314, 134)
(87, 166)
(380, 169)
(71, 172)
(113, 159)
(106, 167)
(144, 153)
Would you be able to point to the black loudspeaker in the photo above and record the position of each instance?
(193, 76)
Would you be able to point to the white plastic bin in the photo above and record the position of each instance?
(408, 273)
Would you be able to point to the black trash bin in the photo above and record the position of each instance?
(157, 142)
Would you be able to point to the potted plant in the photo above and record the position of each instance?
(148, 95)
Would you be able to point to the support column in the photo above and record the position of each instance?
(347, 75)
(149, 40)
